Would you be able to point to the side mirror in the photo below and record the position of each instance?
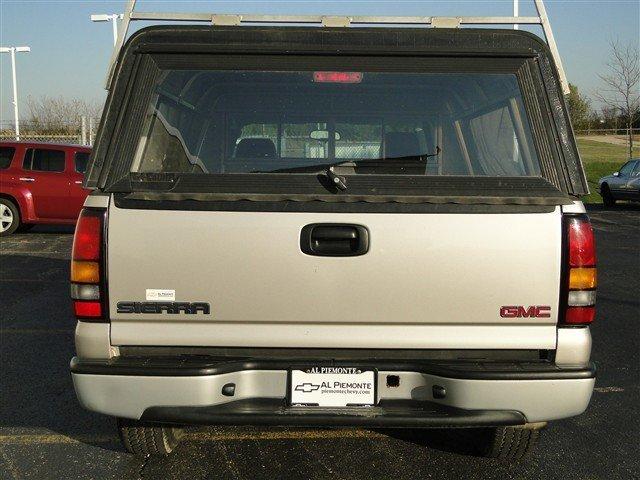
(616, 174)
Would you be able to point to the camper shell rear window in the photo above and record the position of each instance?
(257, 122)
(268, 123)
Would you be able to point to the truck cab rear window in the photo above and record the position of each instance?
(217, 122)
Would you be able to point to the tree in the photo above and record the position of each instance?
(609, 117)
(579, 108)
(621, 85)
(49, 114)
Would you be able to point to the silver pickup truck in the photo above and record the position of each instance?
(361, 227)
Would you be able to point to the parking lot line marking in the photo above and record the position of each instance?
(608, 389)
(54, 438)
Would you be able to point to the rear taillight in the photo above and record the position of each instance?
(580, 280)
(87, 267)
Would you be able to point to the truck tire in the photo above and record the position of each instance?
(145, 439)
(9, 217)
(607, 198)
(509, 443)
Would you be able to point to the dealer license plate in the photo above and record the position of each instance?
(332, 386)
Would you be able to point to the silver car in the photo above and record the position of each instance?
(621, 185)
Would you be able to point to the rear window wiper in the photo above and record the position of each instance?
(327, 167)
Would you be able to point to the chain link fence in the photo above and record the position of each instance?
(81, 131)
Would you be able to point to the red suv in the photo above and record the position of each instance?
(40, 183)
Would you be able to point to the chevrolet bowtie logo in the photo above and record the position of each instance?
(307, 387)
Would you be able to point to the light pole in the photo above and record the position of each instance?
(113, 18)
(12, 51)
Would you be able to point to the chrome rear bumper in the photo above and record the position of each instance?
(475, 394)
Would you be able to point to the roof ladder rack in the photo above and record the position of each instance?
(333, 21)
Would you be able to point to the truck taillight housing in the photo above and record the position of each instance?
(580, 280)
(88, 290)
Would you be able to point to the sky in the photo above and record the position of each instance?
(69, 53)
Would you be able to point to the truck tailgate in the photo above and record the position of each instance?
(427, 281)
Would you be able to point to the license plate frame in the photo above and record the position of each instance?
(315, 398)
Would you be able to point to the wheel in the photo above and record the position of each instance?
(9, 217)
(607, 198)
(146, 439)
(509, 443)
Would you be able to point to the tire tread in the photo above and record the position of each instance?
(143, 439)
(511, 443)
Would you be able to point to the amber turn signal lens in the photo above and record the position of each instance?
(582, 279)
(85, 272)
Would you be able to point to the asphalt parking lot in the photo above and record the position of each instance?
(44, 433)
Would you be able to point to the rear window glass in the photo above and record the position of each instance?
(217, 122)
(44, 160)
(81, 160)
(6, 155)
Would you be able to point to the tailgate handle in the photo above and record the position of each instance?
(334, 240)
